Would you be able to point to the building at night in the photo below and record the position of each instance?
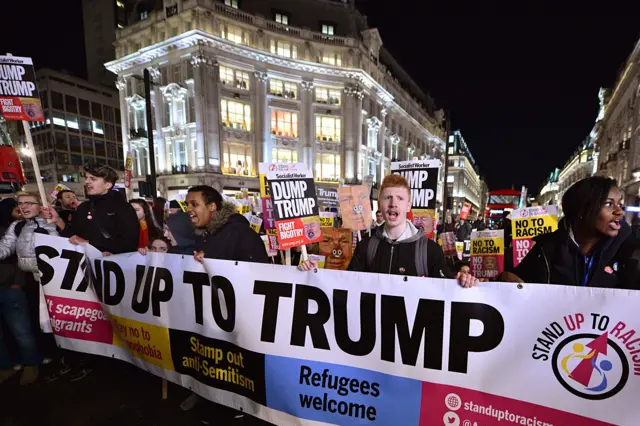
(82, 125)
(582, 164)
(238, 83)
(619, 136)
(463, 178)
(548, 194)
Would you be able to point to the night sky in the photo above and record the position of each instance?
(520, 82)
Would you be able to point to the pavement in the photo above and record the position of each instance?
(115, 393)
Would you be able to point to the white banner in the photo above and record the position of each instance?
(346, 348)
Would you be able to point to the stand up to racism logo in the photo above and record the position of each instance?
(591, 356)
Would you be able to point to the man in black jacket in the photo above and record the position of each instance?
(222, 232)
(397, 247)
(106, 221)
(68, 204)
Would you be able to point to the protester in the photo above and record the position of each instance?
(22, 299)
(106, 220)
(397, 247)
(463, 233)
(222, 233)
(149, 228)
(449, 225)
(158, 244)
(174, 207)
(593, 246)
(379, 218)
(179, 231)
(505, 225)
(68, 204)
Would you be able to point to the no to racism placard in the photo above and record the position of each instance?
(355, 207)
(487, 253)
(295, 206)
(327, 219)
(528, 223)
(345, 348)
(19, 98)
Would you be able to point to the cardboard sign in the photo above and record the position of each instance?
(424, 218)
(422, 176)
(255, 223)
(295, 205)
(487, 253)
(449, 243)
(267, 213)
(183, 205)
(355, 207)
(466, 209)
(528, 223)
(327, 197)
(19, 98)
(315, 258)
(128, 170)
(327, 219)
(272, 234)
(270, 252)
(337, 247)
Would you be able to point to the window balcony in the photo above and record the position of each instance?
(137, 133)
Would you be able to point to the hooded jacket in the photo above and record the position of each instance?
(182, 230)
(24, 244)
(229, 237)
(557, 258)
(399, 257)
(108, 222)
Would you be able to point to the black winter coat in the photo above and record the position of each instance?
(557, 259)
(398, 257)
(113, 226)
(229, 237)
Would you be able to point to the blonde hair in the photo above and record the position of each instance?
(29, 194)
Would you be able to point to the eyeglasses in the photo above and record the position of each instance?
(27, 204)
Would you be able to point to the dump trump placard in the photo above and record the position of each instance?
(295, 206)
(19, 98)
(422, 176)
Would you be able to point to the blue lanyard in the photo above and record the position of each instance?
(588, 271)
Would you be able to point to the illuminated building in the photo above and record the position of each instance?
(236, 84)
(463, 178)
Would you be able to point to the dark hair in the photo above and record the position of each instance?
(210, 195)
(103, 171)
(378, 211)
(152, 224)
(173, 204)
(61, 193)
(161, 238)
(584, 199)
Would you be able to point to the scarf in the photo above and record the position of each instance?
(144, 234)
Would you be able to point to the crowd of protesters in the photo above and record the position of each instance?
(593, 233)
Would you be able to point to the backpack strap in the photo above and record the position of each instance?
(18, 229)
(372, 248)
(422, 267)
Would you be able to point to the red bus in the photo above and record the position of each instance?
(499, 201)
(11, 176)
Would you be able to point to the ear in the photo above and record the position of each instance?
(213, 207)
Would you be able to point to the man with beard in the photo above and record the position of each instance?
(68, 204)
(397, 247)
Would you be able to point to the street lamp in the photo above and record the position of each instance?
(26, 151)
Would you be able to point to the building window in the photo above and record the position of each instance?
(285, 49)
(144, 15)
(231, 3)
(327, 96)
(372, 169)
(238, 79)
(236, 115)
(237, 159)
(235, 34)
(461, 163)
(450, 150)
(465, 181)
(179, 155)
(328, 128)
(331, 58)
(282, 88)
(282, 18)
(327, 167)
(279, 155)
(284, 123)
(451, 179)
(328, 29)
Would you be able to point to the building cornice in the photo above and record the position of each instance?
(146, 56)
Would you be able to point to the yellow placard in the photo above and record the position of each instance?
(148, 342)
(529, 227)
(326, 222)
(487, 246)
(264, 187)
(183, 205)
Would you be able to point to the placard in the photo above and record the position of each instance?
(337, 247)
(528, 223)
(19, 98)
(295, 205)
(355, 207)
(487, 254)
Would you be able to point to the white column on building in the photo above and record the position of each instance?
(263, 120)
(121, 84)
(307, 123)
(381, 147)
(202, 65)
(353, 130)
(158, 105)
